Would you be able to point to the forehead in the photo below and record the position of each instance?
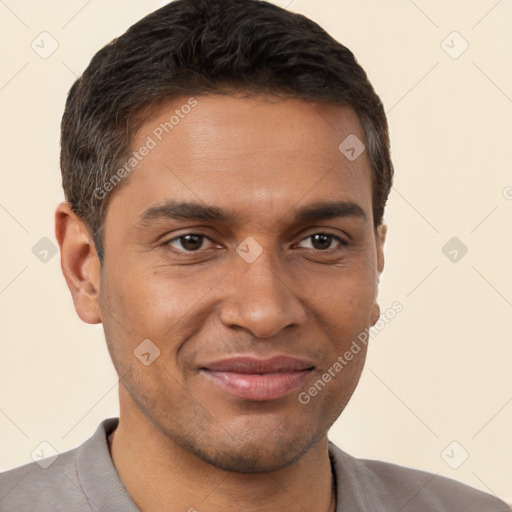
(248, 154)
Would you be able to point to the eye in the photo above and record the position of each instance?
(190, 242)
(323, 241)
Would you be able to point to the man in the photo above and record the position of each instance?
(226, 167)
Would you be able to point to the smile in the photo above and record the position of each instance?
(256, 379)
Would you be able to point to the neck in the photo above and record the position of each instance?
(160, 476)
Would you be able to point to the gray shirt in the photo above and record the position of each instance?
(85, 480)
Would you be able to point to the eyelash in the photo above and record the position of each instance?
(203, 236)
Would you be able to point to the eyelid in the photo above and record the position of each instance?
(327, 230)
(316, 230)
(204, 236)
(324, 232)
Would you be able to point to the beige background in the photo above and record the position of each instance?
(438, 373)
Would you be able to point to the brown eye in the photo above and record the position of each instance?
(190, 242)
(323, 241)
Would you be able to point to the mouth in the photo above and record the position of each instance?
(258, 380)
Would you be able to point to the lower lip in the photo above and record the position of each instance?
(258, 387)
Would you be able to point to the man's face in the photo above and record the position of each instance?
(253, 276)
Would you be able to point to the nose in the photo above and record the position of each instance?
(260, 297)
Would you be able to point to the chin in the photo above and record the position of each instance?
(262, 460)
(261, 454)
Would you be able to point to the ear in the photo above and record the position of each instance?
(382, 231)
(380, 238)
(79, 262)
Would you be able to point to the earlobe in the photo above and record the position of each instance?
(79, 262)
(375, 314)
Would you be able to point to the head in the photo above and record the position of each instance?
(220, 204)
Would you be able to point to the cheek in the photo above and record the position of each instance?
(343, 296)
(161, 304)
(147, 295)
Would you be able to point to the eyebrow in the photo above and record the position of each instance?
(330, 210)
(185, 210)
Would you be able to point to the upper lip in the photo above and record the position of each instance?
(252, 365)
